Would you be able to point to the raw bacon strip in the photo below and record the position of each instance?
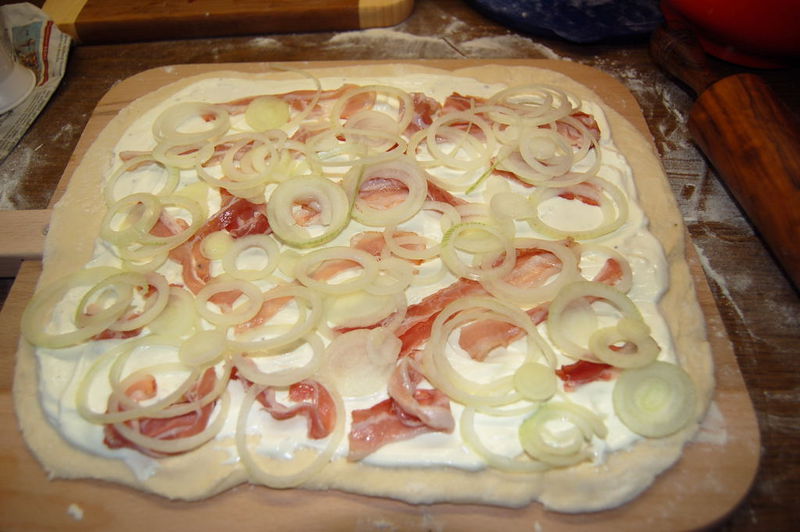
(403, 389)
(480, 338)
(181, 426)
(425, 109)
(437, 193)
(387, 422)
(239, 217)
(583, 372)
(312, 401)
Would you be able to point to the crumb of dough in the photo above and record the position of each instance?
(75, 511)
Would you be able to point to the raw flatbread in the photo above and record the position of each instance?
(206, 471)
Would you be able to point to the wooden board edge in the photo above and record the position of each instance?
(382, 13)
(64, 13)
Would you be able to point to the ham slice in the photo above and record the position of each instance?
(407, 413)
(311, 400)
(181, 426)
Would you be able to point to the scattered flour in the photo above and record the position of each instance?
(265, 42)
(507, 46)
(12, 173)
(721, 282)
(404, 45)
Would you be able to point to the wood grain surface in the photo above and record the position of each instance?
(725, 455)
(758, 306)
(100, 21)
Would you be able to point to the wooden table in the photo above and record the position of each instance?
(759, 307)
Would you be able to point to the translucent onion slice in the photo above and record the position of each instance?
(534, 104)
(360, 362)
(166, 187)
(559, 433)
(439, 370)
(305, 267)
(240, 245)
(179, 318)
(490, 242)
(333, 204)
(39, 312)
(267, 112)
(358, 309)
(286, 376)
(461, 149)
(394, 276)
(500, 462)
(405, 171)
(343, 146)
(612, 204)
(260, 339)
(183, 156)
(203, 348)
(153, 307)
(179, 202)
(169, 126)
(239, 313)
(543, 290)
(130, 217)
(628, 333)
(574, 293)
(283, 474)
(111, 296)
(656, 400)
(536, 382)
(404, 106)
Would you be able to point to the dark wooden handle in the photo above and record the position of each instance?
(754, 142)
(676, 50)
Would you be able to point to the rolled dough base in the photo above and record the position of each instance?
(206, 471)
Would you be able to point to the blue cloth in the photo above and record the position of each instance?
(580, 21)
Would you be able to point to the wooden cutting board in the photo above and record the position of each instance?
(711, 478)
(103, 21)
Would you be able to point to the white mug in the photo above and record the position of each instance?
(16, 81)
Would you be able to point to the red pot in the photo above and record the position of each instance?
(756, 33)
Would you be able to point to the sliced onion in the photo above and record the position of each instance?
(656, 400)
(612, 203)
(628, 332)
(282, 377)
(258, 338)
(439, 371)
(589, 291)
(168, 186)
(545, 289)
(560, 446)
(494, 245)
(167, 126)
(263, 242)
(178, 445)
(203, 348)
(179, 318)
(39, 312)
(239, 313)
(536, 382)
(267, 474)
(305, 266)
(360, 362)
(407, 172)
(331, 198)
(494, 460)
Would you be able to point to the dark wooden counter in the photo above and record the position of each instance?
(760, 309)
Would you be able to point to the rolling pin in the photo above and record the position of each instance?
(749, 136)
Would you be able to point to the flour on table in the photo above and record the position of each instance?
(507, 46)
